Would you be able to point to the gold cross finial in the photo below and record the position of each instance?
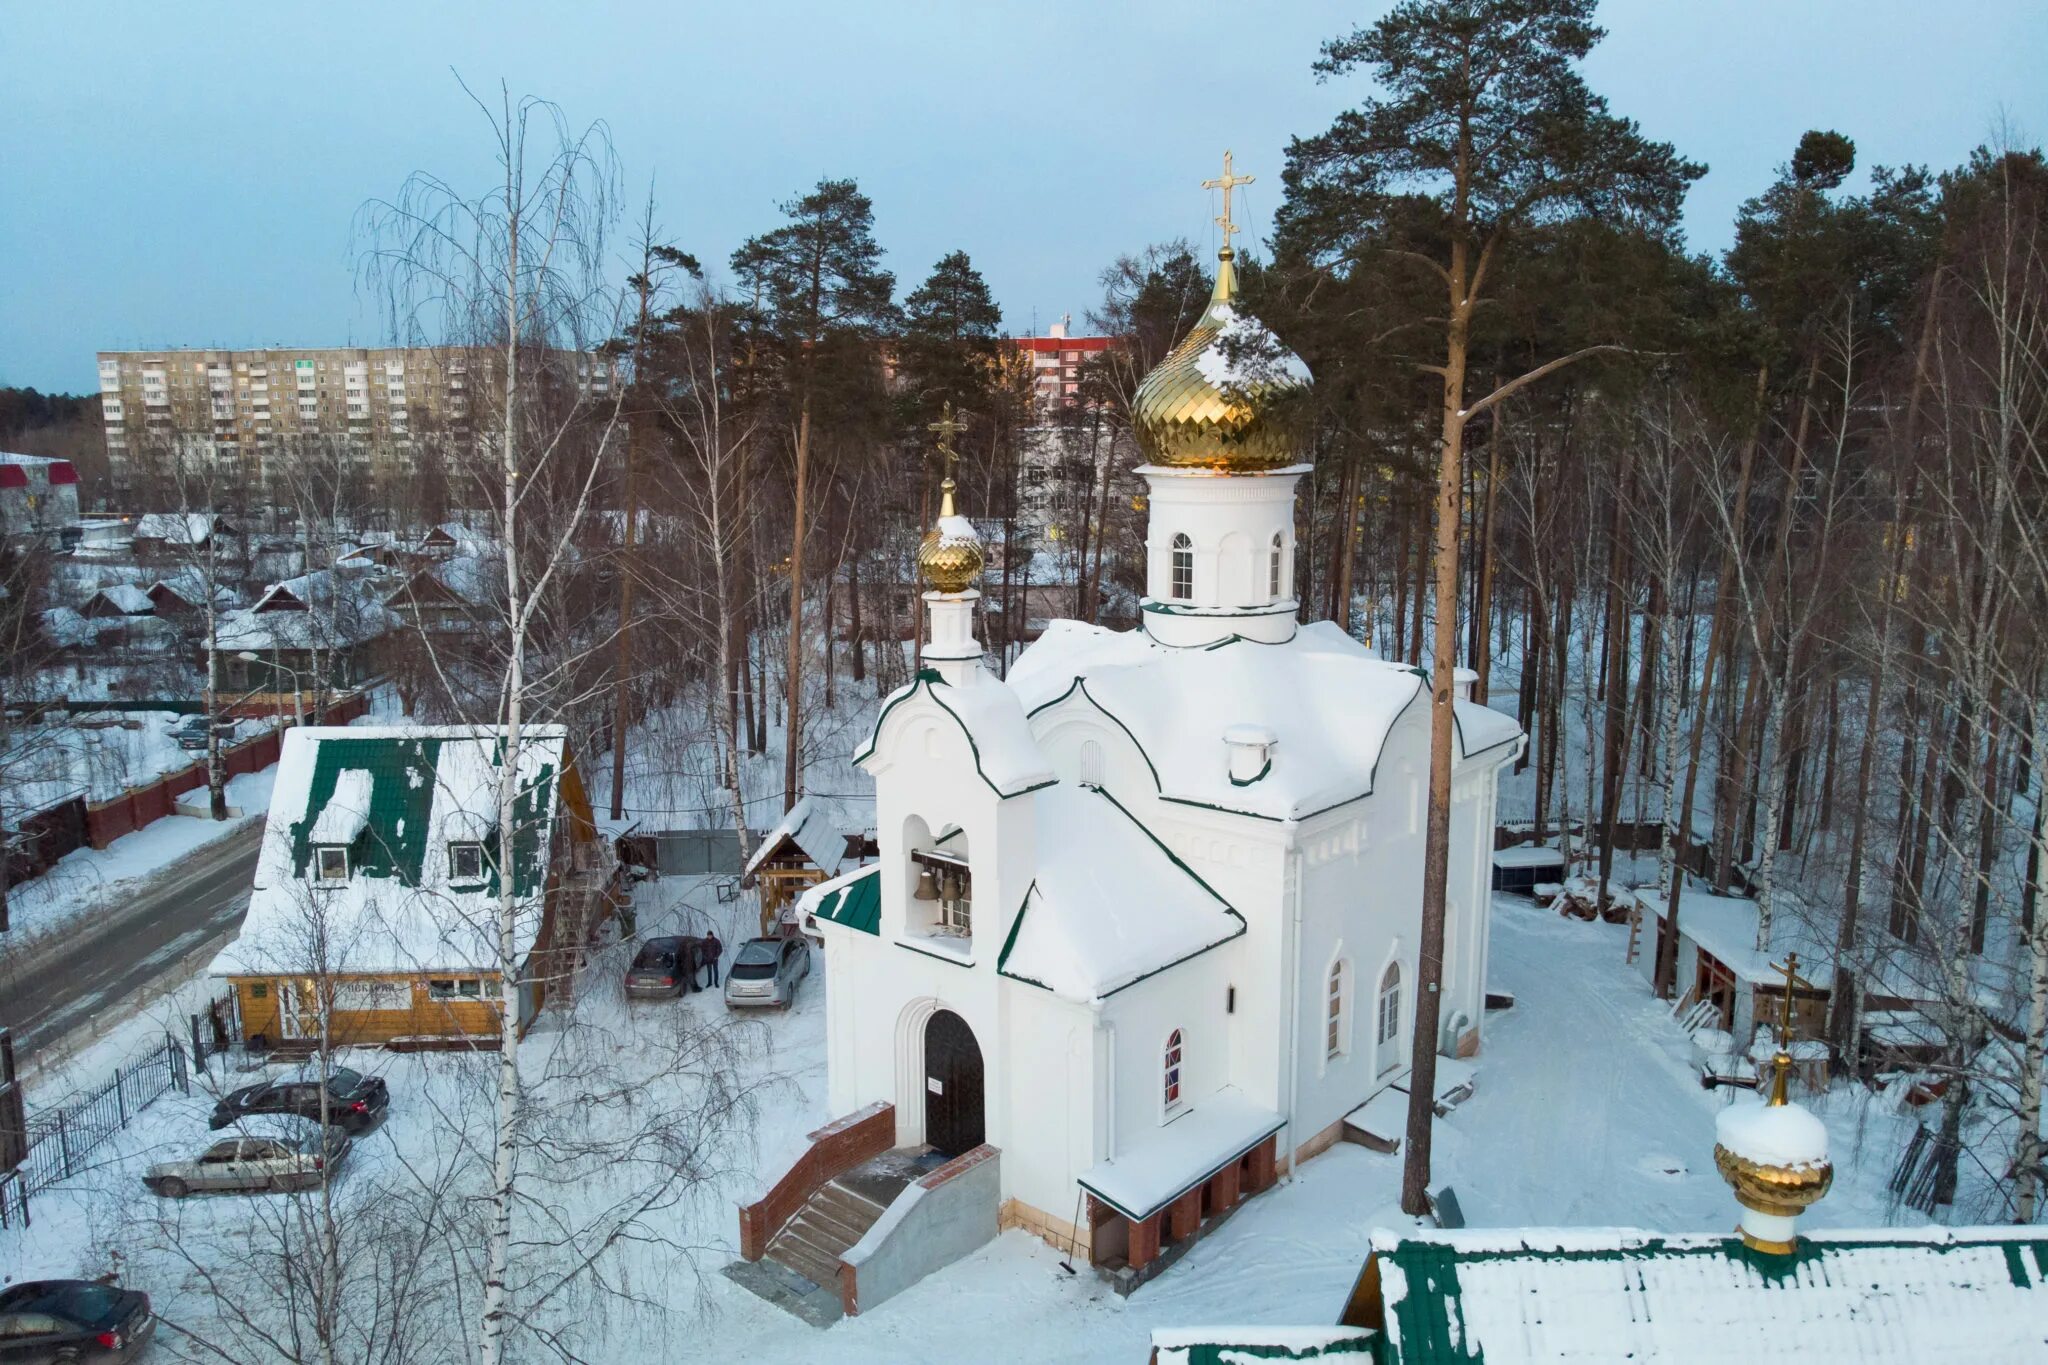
(1226, 183)
(1782, 1062)
(947, 429)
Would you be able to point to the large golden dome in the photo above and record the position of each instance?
(1225, 398)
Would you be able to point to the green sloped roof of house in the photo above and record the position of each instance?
(1512, 1295)
(397, 829)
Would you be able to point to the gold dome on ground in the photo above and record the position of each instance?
(1221, 399)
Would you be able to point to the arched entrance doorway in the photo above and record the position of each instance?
(952, 1084)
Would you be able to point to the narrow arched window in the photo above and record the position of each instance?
(1273, 570)
(1390, 1018)
(1333, 1018)
(1091, 763)
(1171, 1092)
(1182, 582)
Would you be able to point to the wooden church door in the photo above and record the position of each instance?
(952, 1085)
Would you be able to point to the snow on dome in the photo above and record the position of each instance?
(1772, 1134)
(1246, 354)
(957, 528)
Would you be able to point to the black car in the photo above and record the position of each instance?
(72, 1320)
(355, 1103)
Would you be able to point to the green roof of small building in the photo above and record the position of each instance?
(1247, 1345)
(1513, 1295)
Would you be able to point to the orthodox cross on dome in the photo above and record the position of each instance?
(1782, 1061)
(947, 428)
(1226, 183)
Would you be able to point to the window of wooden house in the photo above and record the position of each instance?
(466, 862)
(330, 863)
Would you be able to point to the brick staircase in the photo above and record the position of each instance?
(831, 1221)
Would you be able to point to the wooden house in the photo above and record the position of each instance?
(376, 898)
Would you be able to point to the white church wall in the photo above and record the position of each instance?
(1361, 870)
(1050, 1058)
(1193, 998)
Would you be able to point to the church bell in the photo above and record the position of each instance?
(927, 885)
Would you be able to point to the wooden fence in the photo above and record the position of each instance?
(107, 821)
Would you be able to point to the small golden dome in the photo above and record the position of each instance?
(950, 556)
(1775, 1157)
(1221, 399)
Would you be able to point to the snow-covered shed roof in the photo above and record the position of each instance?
(1005, 753)
(176, 528)
(1725, 927)
(1245, 1345)
(395, 798)
(1330, 701)
(1616, 1294)
(1110, 905)
(125, 598)
(808, 828)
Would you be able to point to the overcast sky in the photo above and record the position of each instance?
(187, 174)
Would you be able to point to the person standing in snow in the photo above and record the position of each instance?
(709, 951)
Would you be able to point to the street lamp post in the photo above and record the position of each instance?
(278, 666)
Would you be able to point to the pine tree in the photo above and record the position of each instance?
(1479, 129)
(823, 301)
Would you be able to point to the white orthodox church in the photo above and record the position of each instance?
(1146, 914)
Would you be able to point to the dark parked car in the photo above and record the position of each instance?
(663, 969)
(355, 1103)
(766, 972)
(191, 732)
(44, 1321)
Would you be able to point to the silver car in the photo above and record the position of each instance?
(766, 972)
(281, 1158)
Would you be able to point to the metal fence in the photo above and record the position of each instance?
(695, 852)
(60, 1142)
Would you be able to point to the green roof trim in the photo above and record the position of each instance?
(930, 681)
(857, 904)
(1358, 1344)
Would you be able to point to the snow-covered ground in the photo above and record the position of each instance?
(1586, 1114)
(88, 881)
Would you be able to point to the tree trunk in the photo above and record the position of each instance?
(1482, 657)
(1437, 837)
(792, 733)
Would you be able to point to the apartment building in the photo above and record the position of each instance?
(1056, 365)
(250, 411)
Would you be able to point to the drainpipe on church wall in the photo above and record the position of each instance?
(1107, 1094)
(1293, 1004)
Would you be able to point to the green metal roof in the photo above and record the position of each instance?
(856, 902)
(396, 835)
(1237, 1345)
(1509, 1295)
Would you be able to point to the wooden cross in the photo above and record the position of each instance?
(1227, 183)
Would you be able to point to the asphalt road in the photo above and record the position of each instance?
(54, 990)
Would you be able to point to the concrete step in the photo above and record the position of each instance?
(819, 1243)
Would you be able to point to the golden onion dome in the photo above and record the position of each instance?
(1225, 397)
(950, 556)
(1774, 1156)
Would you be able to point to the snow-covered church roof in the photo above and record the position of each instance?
(1328, 700)
(1109, 905)
(998, 731)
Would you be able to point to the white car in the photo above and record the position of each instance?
(285, 1157)
(766, 972)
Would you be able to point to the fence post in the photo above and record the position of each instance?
(178, 1071)
(120, 1098)
(198, 1053)
(63, 1144)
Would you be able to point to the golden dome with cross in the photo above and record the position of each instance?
(1224, 398)
(950, 556)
